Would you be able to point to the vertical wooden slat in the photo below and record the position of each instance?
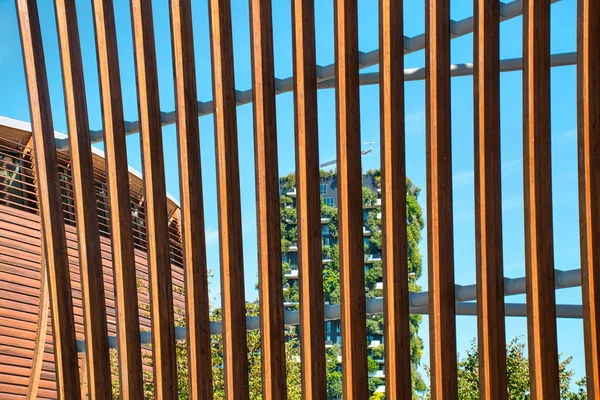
(588, 90)
(440, 246)
(267, 202)
(393, 184)
(488, 202)
(53, 230)
(88, 235)
(192, 208)
(125, 281)
(308, 201)
(159, 267)
(352, 271)
(539, 251)
(230, 217)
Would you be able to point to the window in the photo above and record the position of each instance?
(323, 189)
(329, 201)
(324, 230)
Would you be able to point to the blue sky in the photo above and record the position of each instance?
(13, 104)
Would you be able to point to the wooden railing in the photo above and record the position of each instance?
(538, 194)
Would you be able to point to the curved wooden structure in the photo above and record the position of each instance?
(26, 359)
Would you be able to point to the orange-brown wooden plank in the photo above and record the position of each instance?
(228, 190)
(537, 179)
(440, 246)
(393, 193)
(588, 86)
(53, 230)
(159, 267)
(267, 202)
(308, 201)
(123, 259)
(88, 236)
(488, 202)
(352, 270)
(192, 208)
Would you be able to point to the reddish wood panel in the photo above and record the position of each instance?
(351, 245)
(588, 91)
(537, 179)
(233, 300)
(122, 246)
(50, 200)
(393, 193)
(488, 203)
(308, 200)
(192, 207)
(440, 241)
(270, 273)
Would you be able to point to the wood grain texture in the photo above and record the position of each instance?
(588, 91)
(488, 202)
(537, 179)
(159, 270)
(117, 173)
(440, 242)
(270, 273)
(228, 189)
(53, 229)
(351, 247)
(84, 192)
(393, 194)
(40, 331)
(308, 201)
(192, 207)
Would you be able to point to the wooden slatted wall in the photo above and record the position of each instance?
(537, 189)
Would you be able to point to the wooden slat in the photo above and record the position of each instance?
(228, 190)
(539, 251)
(308, 201)
(65, 349)
(88, 235)
(393, 184)
(192, 208)
(40, 332)
(440, 247)
(123, 259)
(351, 247)
(159, 268)
(588, 91)
(267, 202)
(488, 202)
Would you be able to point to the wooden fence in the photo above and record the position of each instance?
(538, 200)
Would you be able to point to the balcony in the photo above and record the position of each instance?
(291, 274)
(293, 247)
(291, 192)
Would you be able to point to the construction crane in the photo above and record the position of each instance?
(362, 152)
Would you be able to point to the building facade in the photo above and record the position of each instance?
(372, 261)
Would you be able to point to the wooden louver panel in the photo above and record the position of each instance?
(267, 201)
(88, 235)
(351, 249)
(488, 202)
(308, 200)
(440, 246)
(122, 245)
(159, 271)
(537, 179)
(192, 208)
(393, 192)
(228, 189)
(53, 229)
(588, 87)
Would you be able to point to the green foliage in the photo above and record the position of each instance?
(369, 196)
(517, 369)
(377, 396)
